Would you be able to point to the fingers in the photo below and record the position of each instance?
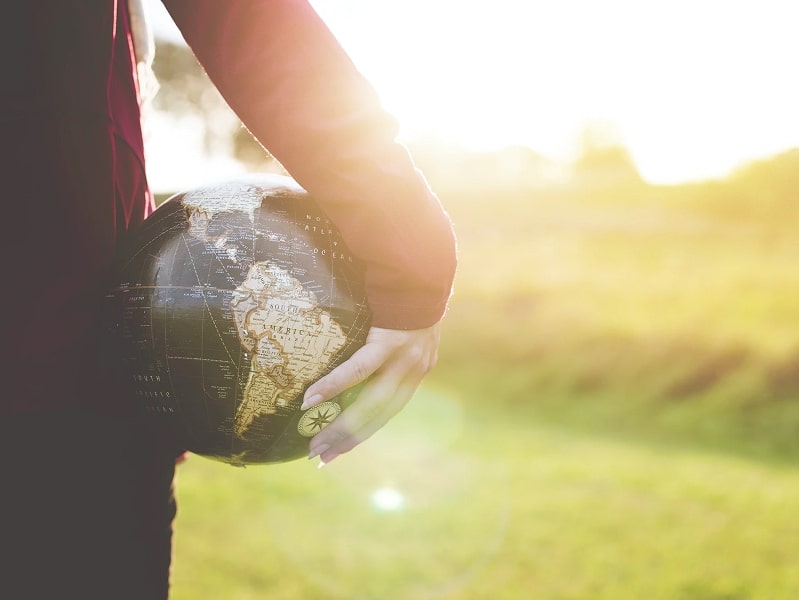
(365, 361)
(382, 347)
(376, 405)
(393, 363)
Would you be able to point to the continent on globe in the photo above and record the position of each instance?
(290, 337)
(230, 300)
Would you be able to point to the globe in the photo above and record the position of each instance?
(228, 302)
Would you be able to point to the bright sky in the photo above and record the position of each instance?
(692, 88)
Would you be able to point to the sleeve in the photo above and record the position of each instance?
(293, 86)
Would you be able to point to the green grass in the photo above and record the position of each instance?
(614, 416)
(495, 508)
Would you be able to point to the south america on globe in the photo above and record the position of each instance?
(229, 301)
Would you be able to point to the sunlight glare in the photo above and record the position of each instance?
(693, 88)
(388, 499)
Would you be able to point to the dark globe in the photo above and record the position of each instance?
(229, 302)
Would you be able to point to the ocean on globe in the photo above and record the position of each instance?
(229, 301)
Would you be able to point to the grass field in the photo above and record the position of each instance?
(493, 508)
(614, 416)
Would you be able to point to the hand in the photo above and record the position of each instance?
(394, 361)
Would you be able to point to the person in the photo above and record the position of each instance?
(87, 505)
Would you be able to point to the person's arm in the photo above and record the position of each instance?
(293, 86)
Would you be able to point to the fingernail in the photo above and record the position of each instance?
(328, 460)
(318, 450)
(321, 464)
(309, 402)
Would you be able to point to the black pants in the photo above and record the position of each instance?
(86, 508)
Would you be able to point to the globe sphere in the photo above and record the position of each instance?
(228, 303)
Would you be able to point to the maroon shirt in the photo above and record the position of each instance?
(75, 178)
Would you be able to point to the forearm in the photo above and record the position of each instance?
(293, 86)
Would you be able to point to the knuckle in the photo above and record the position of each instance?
(416, 355)
(330, 385)
(421, 360)
(360, 371)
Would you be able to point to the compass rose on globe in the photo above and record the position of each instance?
(316, 418)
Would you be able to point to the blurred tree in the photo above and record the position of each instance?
(185, 92)
(764, 191)
(778, 175)
(602, 158)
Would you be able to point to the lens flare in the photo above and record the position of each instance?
(388, 499)
(414, 513)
